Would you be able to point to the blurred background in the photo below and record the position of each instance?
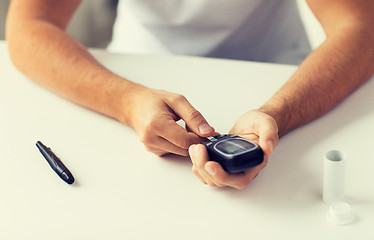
(94, 31)
(91, 25)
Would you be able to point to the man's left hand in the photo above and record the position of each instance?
(255, 126)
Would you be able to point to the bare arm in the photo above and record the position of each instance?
(334, 70)
(329, 74)
(40, 48)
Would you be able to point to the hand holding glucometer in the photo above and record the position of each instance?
(235, 154)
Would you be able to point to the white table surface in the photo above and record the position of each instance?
(124, 192)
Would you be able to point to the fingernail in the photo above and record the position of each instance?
(205, 128)
(191, 150)
(210, 170)
(194, 149)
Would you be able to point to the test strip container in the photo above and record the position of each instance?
(334, 176)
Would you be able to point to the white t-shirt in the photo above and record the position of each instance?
(255, 30)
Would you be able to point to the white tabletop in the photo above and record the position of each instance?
(124, 192)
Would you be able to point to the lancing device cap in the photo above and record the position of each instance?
(340, 213)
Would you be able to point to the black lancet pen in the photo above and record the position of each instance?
(55, 163)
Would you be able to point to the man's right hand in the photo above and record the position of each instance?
(41, 49)
(154, 115)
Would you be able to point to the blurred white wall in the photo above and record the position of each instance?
(313, 28)
(3, 10)
(91, 25)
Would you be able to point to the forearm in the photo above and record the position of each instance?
(47, 55)
(329, 74)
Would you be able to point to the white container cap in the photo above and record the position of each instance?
(340, 213)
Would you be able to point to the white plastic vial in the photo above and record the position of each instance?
(334, 176)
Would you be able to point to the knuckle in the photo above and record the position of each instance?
(212, 184)
(146, 139)
(147, 135)
(148, 148)
(184, 143)
(151, 126)
(193, 115)
(199, 165)
(242, 185)
(155, 151)
(160, 153)
(178, 98)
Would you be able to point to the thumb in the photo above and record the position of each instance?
(268, 136)
(193, 118)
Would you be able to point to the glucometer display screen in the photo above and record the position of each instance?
(234, 153)
(229, 148)
(234, 146)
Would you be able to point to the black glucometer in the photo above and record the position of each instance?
(235, 154)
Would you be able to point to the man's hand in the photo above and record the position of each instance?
(254, 126)
(153, 115)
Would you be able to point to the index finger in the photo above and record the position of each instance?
(174, 133)
(193, 118)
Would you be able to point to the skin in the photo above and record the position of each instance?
(88, 83)
(328, 75)
(254, 126)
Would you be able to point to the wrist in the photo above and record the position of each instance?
(115, 96)
(280, 117)
(127, 101)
